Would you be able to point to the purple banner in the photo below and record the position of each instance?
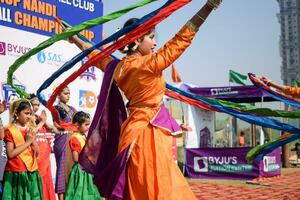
(246, 93)
(271, 164)
(229, 163)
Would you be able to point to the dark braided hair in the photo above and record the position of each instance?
(131, 47)
(80, 117)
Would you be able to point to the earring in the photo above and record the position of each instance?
(135, 46)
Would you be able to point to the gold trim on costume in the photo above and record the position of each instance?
(192, 26)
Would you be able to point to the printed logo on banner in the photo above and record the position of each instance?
(41, 57)
(9, 93)
(200, 164)
(89, 74)
(87, 99)
(224, 164)
(222, 91)
(50, 58)
(270, 164)
(12, 49)
(2, 48)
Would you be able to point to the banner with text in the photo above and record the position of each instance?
(37, 16)
(26, 23)
(229, 163)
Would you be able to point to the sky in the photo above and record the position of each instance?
(241, 35)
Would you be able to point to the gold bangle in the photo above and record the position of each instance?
(192, 26)
(200, 17)
(212, 4)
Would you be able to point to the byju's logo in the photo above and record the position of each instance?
(87, 99)
(2, 48)
(14, 50)
(41, 57)
(200, 164)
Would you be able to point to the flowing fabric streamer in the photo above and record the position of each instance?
(241, 108)
(275, 94)
(130, 37)
(253, 119)
(68, 65)
(258, 152)
(64, 35)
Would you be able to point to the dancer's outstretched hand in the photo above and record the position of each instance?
(265, 80)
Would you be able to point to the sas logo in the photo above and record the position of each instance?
(89, 74)
(2, 48)
(200, 164)
(41, 56)
(87, 99)
(50, 58)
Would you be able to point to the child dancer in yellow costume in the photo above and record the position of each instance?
(80, 185)
(21, 179)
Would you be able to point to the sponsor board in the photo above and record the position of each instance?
(229, 163)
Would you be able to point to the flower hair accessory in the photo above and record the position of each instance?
(129, 47)
(15, 105)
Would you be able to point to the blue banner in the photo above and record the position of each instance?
(37, 16)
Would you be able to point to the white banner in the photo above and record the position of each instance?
(30, 75)
(202, 124)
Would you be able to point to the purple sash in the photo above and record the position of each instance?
(165, 121)
(99, 155)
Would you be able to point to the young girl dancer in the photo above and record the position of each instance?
(60, 143)
(21, 178)
(80, 184)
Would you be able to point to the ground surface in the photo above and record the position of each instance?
(284, 187)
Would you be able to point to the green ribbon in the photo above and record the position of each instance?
(64, 35)
(254, 110)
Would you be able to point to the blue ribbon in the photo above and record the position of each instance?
(68, 65)
(250, 118)
(276, 96)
